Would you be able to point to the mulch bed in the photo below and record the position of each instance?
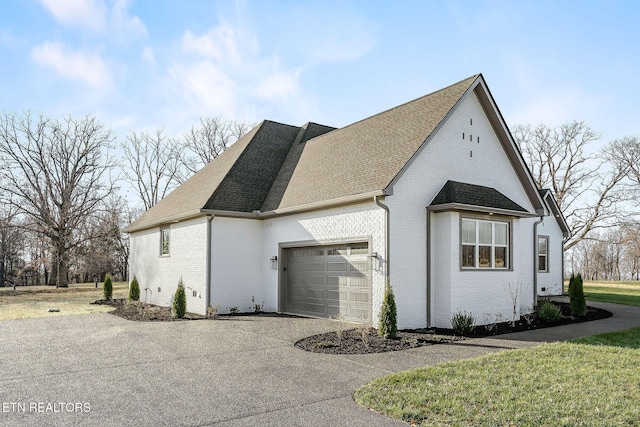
(143, 312)
(362, 340)
(353, 342)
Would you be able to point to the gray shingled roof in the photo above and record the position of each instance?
(474, 195)
(367, 155)
(278, 167)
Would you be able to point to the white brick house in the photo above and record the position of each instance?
(432, 195)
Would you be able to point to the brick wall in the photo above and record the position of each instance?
(186, 260)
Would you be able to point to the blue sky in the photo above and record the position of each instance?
(141, 65)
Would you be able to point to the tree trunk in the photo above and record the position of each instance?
(2, 270)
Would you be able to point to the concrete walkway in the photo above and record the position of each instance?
(98, 369)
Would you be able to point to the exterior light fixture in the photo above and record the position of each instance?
(274, 262)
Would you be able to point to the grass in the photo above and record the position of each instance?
(588, 381)
(35, 301)
(560, 384)
(624, 292)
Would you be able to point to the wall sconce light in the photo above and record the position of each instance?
(274, 262)
(375, 262)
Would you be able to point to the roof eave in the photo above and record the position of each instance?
(480, 209)
(340, 201)
(167, 220)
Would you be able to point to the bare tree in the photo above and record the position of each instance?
(207, 141)
(152, 165)
(625, 152)
(56, 174)
(587, 186)
(10, 243)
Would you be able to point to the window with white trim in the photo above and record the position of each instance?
(543, 254)
(164, 241)
(485, 244)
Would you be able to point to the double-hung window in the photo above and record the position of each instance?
(543, 254)
(485, 244)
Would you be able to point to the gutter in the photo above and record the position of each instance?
(386, 239)
(535, 259)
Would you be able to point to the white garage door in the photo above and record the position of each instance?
(330, 281)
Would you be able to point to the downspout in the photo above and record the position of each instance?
(565, 239)
(386, 239)
(428, 269)
(535, 259)
(208, 266)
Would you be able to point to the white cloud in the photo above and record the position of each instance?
(97, 17)
(224, 68)
(124, 24)
(209, 86)
(90, 14)
(339, 46)
(148, 56)
(86, 67)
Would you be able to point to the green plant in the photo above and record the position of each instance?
(179, 306)
(549, 312)
(388, 324)
(576, 296)
(257, 308)
(134, 290)
(463, 322)
(107, 287)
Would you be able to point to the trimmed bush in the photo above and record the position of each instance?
(179, 306)
(107, 287)
(576, 296)
(463, 323)
(388, 325)
(134, 290)
(549, 312)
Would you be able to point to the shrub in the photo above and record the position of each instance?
(134, 290)
(388, 325)
(462, 322)
(576, 296)
(179, 306)
(549, 312)
(107, 288)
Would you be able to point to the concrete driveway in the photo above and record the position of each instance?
(98, 369)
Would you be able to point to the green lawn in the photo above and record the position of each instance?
(627, 292)
(592, 381)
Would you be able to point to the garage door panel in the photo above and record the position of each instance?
(338, 266)
(330, 281)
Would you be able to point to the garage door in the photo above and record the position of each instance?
(329, 281)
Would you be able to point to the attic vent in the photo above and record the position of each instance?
(478, 140)
(471, 122)
(462, 135)
(470, 137)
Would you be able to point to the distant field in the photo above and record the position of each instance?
(35, 301)
(625, 292)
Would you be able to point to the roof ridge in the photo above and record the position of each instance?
(474, 77)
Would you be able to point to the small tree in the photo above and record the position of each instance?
(576, 296)
(107, 288)
(134, 290)
(179, 306)
(388, 325)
